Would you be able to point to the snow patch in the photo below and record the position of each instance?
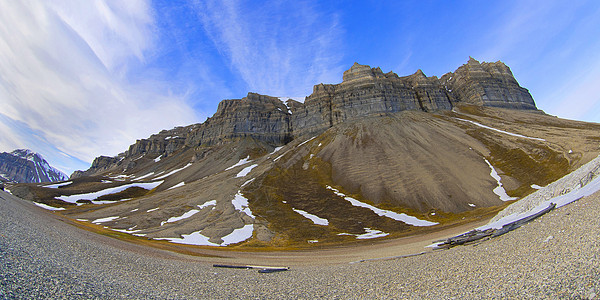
(312, 138)
(238, 235)
(94, 195)
(102, 220)
(499, 190)
(369, 234)
(315, 219)
(241, 204)
(247, 182)
(129, 231)
(208, 203)
(158, 158)
(48, 207)
(242, 161)
(246, 170)
(501, 131)
(537, 187)
(472, 205)
(173, 172)
(120, 177)
(385, 213)
(194, 238)
(276, 149)
(153, 209)
(57, 185)
(177, 185)
(184, 216)
(147, 175)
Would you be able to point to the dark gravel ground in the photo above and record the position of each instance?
(556, 256)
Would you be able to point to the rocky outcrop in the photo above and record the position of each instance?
(262, 117)
(364, 91)
(487, 84)
(25, 166)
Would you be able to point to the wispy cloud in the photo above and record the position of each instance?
(64, 73)
(278, 48)
(552, 49)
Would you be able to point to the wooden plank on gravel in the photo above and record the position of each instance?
(261, 269)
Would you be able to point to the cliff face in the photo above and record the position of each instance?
(487, 84)
(364, 91)
(262, 117)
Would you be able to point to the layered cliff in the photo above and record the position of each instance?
(364, 91)
(487, 84)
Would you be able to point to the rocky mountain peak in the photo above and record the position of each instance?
(24, 165)
(358, 71)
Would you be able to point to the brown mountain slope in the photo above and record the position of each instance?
(431, 166)
(377, 155)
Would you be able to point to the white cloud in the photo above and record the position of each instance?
(63, 73)
(279, 49)
(578, 97)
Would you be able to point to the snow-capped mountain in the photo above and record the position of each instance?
(26, 166)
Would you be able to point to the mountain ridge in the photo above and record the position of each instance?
(26, 166)
(375, 156)
(363, 91)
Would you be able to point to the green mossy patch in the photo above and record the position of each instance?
(530, 163)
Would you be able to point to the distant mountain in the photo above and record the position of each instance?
(26, 166)
(377, 155)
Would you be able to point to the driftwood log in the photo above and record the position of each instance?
(261, 269)
(475, 235)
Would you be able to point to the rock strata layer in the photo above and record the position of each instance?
(364, 91)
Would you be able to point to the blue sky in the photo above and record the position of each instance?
(79, 79)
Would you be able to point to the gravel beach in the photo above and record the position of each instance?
(555, 256)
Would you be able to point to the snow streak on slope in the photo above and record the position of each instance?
(94, 195)
(173, 172)
(241, 204)
(385, 213)
(501, 131)
(499, 190)
(48, 207)
(241, 162)
(238, 235)
(57, 185)
(208, 203)
(184, 216)
(177, 185)
(369, 234)
(315, 219)
(246, 170)
(196, 238)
